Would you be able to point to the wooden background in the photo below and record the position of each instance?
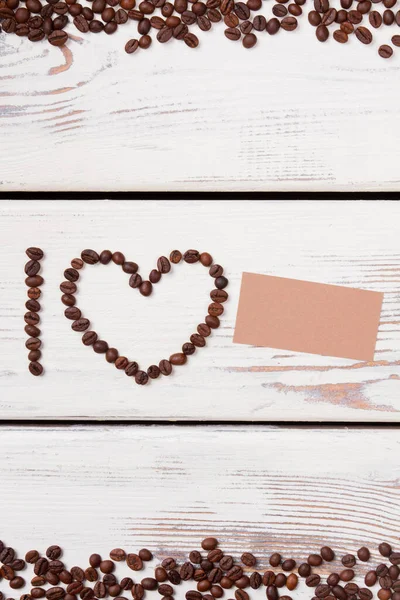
(353, 244)
(291, 114)
(259, 487)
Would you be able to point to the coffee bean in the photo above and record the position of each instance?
(164, 35)
(272, 592)
(35, 281)
(305, 569)
(154, 276)
(178, 359)
(131, 369)
(34, 253)
(81, 24)
(175, 257)
(186, 571)
(289, 23)
(191, 40)
(32, 306)
(71, 274)
(58, 38)
(165, 367)
(16, 583)
(73, 313)
(209, 543)
(292, 581)
(135, 280)
(395, 556)
(193, 595)
(32, 344)
(146, 288)
(153, 372)
(388, 17)
(55, 593)
(80, 325)
(241, 595)
(249, 40)
(18, 564)
(232, 33)
(90, 257)
(141, 378)
(32, 268)
(339, 592)
(188, 349)
(346, 575)
(145, 42)
(365, 37)
(68, 299)
(34, 293)
(365, 594)
(396, 40)
(68, 287)
(191, 256)
(322, 591)
(32, 556)
(126, 583)
(259, 23)
(313, 580)
(340, 36)
(280, 580)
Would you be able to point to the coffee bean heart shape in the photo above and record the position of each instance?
(91, 338)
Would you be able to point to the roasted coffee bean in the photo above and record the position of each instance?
(165, 590)
(135, 280)
(7, 572)
(241, 595)
(154, 276)
(100, 590)
(35, 281)
(90, 256)
(365, 594)
(41, 566)
(168, 563)
(340, 36)
(231, 20)
(34, 293)
(382, 570)
(32, 268)
(16, 583)
(73, 313)
(52, 578)
(333, 579)
(32, 306)
(126, 583)
(259, 23)
(272, 592)
(55, 593)
(292, 581)
(34, 253)
(255, 580)
(193, 595)
(313, 580)
(175, 257)
(31, 318)
(395, 556)
(188, 348)
(146, 287)
(280, 580)
(66, 577)
(305, 569)
(375, 20)
(346, 575)
(58, 38)
(186, 571)
(191, 256)
(80, 325)
(246, 27)
(165, 367)
(249, 40)
(71, 274)
(145, 42)
(339, 592)
(18, 564)
(289, 23)
(68, 287)
(32, 556)
(89, 338)
(322, 591)
(149, 583)
(234, 573)
(32, 344)
(141, 378)
(160, 574)
(385, 582)
(118, 554)
(394, 573)
(164, 35)
(131, 368)
(315, 559)
(279, 10)
(68, 299)
(232, 33)
(178, 359)
(153, 372)
(365, 37)
(370, 578)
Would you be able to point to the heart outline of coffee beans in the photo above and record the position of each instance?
(90, 338)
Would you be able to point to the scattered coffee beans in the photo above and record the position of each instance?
(90, 338)
(32, 319)
(47, 19)
(210, 570)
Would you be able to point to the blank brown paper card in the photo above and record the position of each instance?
(303, 316)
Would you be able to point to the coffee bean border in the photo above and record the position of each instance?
(90, 338)
(39, 20)
(212, 572)
(34, 281)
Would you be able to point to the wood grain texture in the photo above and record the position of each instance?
(255, 488)
(291, 114)
(346, 243)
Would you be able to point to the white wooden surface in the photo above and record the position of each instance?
(291, 114)
(349, 243)
(256, 488)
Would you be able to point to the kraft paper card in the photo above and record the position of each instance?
(303, 316)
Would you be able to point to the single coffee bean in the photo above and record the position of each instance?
(160, 574)
(186, 571)
(68, 299)
(146, 288)
(395, 556)
(212, 321)
(145, 42)
(349, 560)
(305, 569)
(131, 368)
(249, 40)
(68, 287)
(280, 580)
(66, 577)
(346, 575)
(339, 592)
(89, 338)
(347, 27)
(126, 583)
(35, 281)
(135, 280)
(134, 561)
(205, 257)
(71, 274)
(241, 595)
(289, 23)
(232, 33)
(73, 313)
(90, 257)
(272, 592)
(191, 40)
(340, 36)
(153, 372)
(111, 355)
(34, 293)
(164, 35)
(16, 583)
(32, 556)
(32, 344)
(313, 580)
(365, 37)
(259, 23)
(333, 579)
(100, 590)
(292, 581)
(34, 253)
(32, 268)
(175, 257)
(396, 40)
(32, 306)
(188, 348)
(80, 325)
(154, 276)
(178, 359)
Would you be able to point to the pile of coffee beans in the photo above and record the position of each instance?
(90, 338)
(39, 19)
(34, 281)
(213, 574)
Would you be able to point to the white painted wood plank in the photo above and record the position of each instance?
(345, 243)
(291, 114)
(255, 488)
